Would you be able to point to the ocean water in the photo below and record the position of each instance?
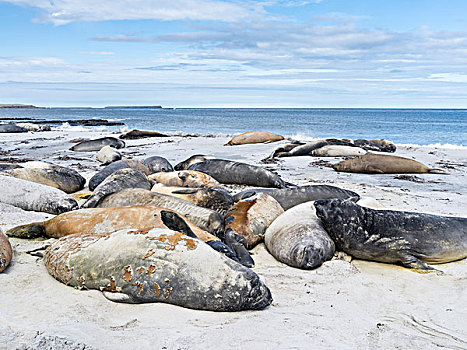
(402, 126)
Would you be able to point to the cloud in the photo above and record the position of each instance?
(99, 53)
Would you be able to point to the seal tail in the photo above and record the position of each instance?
(28, 231)
(438, 171)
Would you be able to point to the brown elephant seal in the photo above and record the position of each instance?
(383, 164)
(208, 220)
(119, 180)
(158, 265)
(184, 178)
(338, 151)
(390, 236)
(254, 137)
(214, 198)
(65, 179)
(5, 252)
(97, 144)
(229, 172)
(297, 238)
(197, 158)
(139, 134)
(107, 155)
(32, 196)
(251, 217)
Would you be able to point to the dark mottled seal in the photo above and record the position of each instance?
(393, 236)
(197, 158)
(298, 238)
(5, 251)
(97, 144)
(158, 265)
(229, 172)
(290, 197)
(12, 127)
(307, 148)
(139, 134)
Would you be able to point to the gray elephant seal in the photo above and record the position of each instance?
(158, 265)
(5, 251)
(11, 127)
(229, 172)
(338, 151)
(390, 236)
(97, 144)
(34, 127)
(383, 164)
(297, 238)
(139, 134)
(108, 154)
(32, 196)
(119, 180)
(290, 197)
(197, 158)
(307, 148)
(379, 145)
(65, 179)
(208, 220)
(213, 198)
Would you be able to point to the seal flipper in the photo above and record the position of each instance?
(223, 248)
(175, 222)
(238, 244)
(118, 297)
(374, 170)
(28, 231)
(437, 171)
(416, 265)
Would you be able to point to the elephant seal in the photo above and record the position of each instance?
(390, 236)
(119, 180)
(65, 179)
(338, 151)
(383, 164)
(251, 217)
(213, 198)
(307, 148)
(158, 265)
(290, 197)
(208, 220)
(197, 158)
(379, 145)
(97, 144)
(11, 127)
(158, 164)
(108, 154)
(5, 251)
(254, 137)
(139, 134)
(229, 172)
(34, 127)
(184, 178)
(297, 238)
(32, 196)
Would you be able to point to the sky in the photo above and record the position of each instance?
(239, 53)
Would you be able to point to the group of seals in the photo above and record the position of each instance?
(5, 251)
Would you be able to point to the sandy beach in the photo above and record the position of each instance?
(341, 305)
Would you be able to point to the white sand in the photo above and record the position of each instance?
(341, 305)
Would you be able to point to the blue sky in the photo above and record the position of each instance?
(242, 53)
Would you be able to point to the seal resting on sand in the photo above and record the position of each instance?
(254, 137)
(158, 265)
(383, 164)
(139, 134)
(390, 236)
(32, 196)
(338, 151)
(184, 178)
(298, 238)
(197, 158)
(229, 172)
(107, 155)
(97, 144)
(5, 251)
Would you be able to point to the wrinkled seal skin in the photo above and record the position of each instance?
(290, 197)
(107, 155)
(184, 178)
(390, 236)
(119, 180)
(383, 164)
(297, 238)
(5, 252)
(97, 144)
(208, 220)
(338, 151)
(251, 217)
(159, 265)
(139, 134)
(212, 198)
(12, 127)
(254, 137)
(229, 172)
(32, 196)
(197, 158)
(65, 179)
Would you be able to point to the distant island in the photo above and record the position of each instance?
(121, 107)
(17, 106)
